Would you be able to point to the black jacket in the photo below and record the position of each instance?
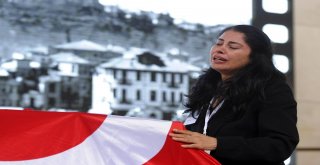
(264, 133)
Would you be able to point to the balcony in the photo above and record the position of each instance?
(124, 82)
(173, 85)
(125, 101)
(173, 105)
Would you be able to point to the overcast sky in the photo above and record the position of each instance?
(208, 12)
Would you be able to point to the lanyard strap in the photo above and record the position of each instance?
(209, 115)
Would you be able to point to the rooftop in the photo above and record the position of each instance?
(134, 64)
(82, 45)
(68, 58)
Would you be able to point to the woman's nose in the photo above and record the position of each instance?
(219, 50)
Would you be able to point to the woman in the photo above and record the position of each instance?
(241, 109)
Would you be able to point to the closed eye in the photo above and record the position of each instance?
(233, 45)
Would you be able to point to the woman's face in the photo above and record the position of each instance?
(229, 53)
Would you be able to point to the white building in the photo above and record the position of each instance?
(21, 86)
(148, 82)
(69, 85)
(89, 50)
(102, 96)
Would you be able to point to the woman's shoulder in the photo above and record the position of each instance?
(278, 89)
(277, 84)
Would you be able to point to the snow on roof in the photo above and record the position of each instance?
(10, 65)
(3, 72)
(182, 66)
(115, 48)
(69, 58)
(39, 49)
(176, 51)
(133, 64)
(82, 45)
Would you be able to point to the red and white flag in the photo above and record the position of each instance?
(73, 138)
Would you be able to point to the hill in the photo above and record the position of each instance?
(27, 24)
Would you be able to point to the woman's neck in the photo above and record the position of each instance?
(225, 76)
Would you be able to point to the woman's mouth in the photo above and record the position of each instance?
(219, 59)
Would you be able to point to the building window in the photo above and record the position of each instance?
(172, 78)
(115, 74)
(138, 95)
(164, 78)
(51, 102)
(124, 74)
(181, 97)
(52, 87)
(138, 75)
(115, 93)
(164, 96)
(124, 95)
(153, 76)
(172, 97)
(181, 78)
(153, 96)
(74, 68)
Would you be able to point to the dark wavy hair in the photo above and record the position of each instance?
(245, 84)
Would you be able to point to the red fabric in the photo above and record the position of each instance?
(173, 153)
(34, 134)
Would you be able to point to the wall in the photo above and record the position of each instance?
(307, 79)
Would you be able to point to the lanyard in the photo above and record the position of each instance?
(209, 115)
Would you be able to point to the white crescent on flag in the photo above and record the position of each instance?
(73, 138)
